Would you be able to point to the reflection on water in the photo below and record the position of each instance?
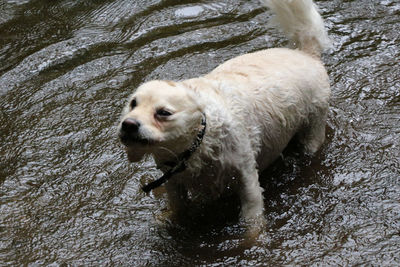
(68, 196)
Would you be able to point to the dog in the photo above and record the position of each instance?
(216, 132)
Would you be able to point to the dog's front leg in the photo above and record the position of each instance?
(252, 204)
(177, 197)
(250, 194)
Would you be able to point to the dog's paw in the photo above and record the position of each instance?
(254, 227)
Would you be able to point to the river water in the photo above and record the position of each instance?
(69, 197)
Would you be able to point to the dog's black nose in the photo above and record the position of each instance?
(130, 125)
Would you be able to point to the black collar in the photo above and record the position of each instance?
(181, 165)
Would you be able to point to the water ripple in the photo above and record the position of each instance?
(69, 197)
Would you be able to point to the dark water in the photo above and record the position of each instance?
(69, 197)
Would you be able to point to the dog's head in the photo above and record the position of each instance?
(160, 115)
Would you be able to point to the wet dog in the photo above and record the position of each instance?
(215, 132)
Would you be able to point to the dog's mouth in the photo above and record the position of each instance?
(128, 139)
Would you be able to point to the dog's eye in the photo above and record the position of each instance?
(163, 113)
(133, 103)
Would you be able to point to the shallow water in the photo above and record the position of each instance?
(69, 197)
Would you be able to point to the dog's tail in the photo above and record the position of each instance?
(302, 23)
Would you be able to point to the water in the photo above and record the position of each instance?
(69, 197)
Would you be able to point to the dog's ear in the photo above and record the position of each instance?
(194, 95)
(134, 155)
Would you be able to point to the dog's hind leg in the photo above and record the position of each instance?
(313, 134)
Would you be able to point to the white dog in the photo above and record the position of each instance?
(217, 131)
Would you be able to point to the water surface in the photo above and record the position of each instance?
(69, 197)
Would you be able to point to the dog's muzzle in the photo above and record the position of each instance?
(129, 132)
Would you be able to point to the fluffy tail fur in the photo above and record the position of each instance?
(302, 23)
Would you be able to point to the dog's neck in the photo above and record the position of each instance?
(182, 159)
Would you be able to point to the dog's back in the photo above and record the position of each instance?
(280, 91)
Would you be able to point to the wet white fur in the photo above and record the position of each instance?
(254, 104)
